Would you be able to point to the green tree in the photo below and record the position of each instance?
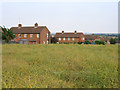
(113, 41)
(7, 34)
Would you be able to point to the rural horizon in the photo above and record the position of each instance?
(59, 44)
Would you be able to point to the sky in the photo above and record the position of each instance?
(86, 17)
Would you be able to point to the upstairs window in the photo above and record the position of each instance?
(59, 38)
(19, 35)
(63, 38)
(31, 35)
(25, 35)
(68, 38)
(37, 35)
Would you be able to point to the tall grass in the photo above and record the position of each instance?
(59, 66)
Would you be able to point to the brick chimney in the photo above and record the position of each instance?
(62, 32)
(19, 25)
(75, 32)
(36, 25)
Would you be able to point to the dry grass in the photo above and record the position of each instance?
(59, 66)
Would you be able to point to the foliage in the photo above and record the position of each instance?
(86, 42)
(79, 42)
(100, 42)
(54, 40)
(7, 34)
(113, 41)
(74, 42)
(59, 66)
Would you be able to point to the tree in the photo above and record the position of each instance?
(7, 34)
(113, 41)
(54, 40)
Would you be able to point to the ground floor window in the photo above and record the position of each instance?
(43, 42)
(47, 42)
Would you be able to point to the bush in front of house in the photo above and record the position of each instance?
(74, 42)
(86, 42)
(100, 42)
(79, 42)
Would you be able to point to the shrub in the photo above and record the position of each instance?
(86, 42)
(79, 42)
(113, 41)
(74, 42)
(100, 42)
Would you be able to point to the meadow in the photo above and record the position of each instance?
(59, 66)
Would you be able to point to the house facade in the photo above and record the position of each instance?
(32, 35)
(92, 37)
(69, 37)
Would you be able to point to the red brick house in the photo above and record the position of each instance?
(92, 37)
(69, 37)
(34, 34)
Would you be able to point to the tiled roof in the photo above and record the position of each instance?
(91, 37)
(104, 38)
(28, 30)
(57, 35)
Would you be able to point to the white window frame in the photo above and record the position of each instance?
(73, 39)
(43, 42)
(82, 38)
(47, 35)
(47, 41)
(31, 35)
(59, 39)
(19, 35)
(63, 38)
(25, 35)
(37, 35)
(68, 38)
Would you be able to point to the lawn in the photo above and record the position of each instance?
(59, 66)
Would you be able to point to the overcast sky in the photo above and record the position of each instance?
(86, 17)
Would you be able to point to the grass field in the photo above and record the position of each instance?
(59, 66)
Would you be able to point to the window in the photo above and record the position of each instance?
(31, 35)
(73, 39)
(82, 38)
(43, 42)
(59, 38)
(68, 38)
(63, 38)
(47, 35)
(19, 35)
(37, 35)
(47, 42)
(25, 35)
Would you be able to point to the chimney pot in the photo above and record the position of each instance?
(62, 32)
(19, 25)
(36, 25)
(75, 32)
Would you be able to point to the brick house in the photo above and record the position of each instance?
(34, 34)
(69, 37)
(92, 37)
